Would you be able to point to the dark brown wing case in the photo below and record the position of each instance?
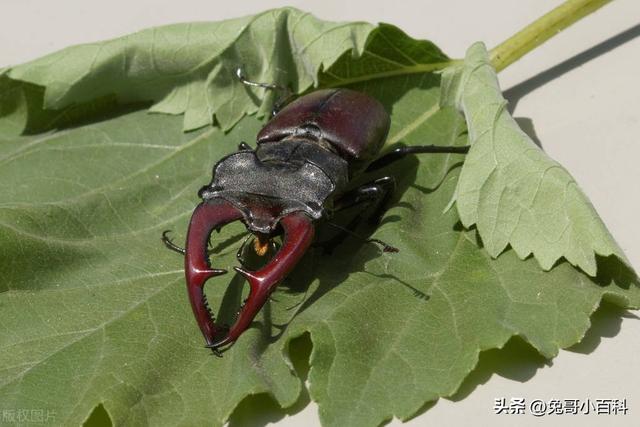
(353, 122)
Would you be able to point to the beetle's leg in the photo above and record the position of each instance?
(170, 245)
(378, 193)
(298, 234)
(243, 146)
(401, 152)
(285, 97)
(239, 254)
(349, 230)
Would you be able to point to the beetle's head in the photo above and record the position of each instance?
(213, 214)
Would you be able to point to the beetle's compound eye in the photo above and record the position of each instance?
(202, 191)
(207, 192)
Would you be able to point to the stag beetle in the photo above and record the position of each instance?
(306, 156)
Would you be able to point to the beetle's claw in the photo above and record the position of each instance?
(298, 234)
(169, 243)
(207, 216)
(250, 276)
(215, 350)
(213, 214)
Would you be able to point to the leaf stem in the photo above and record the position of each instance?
(510, 50)
(541, 30)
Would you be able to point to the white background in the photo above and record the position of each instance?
(585, 113)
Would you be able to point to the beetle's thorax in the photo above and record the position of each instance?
(298, 173)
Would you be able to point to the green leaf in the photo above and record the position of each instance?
(389, 52)
(93, 308)
(510, 189)
(12, 108)
(190, 68)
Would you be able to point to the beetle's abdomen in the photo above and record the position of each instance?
(354, 123)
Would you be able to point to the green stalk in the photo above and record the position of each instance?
(512, 49)
(541, 30)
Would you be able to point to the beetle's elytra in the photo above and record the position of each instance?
(300, 173)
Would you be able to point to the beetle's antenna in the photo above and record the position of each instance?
(385, 247)
(169, 243)
(283, 99)
(271, 86)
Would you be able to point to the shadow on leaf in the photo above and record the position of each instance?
(40, 120)
(517, 361)
(605, 323)
(526, 125)
(99, 417)
(260, 409)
